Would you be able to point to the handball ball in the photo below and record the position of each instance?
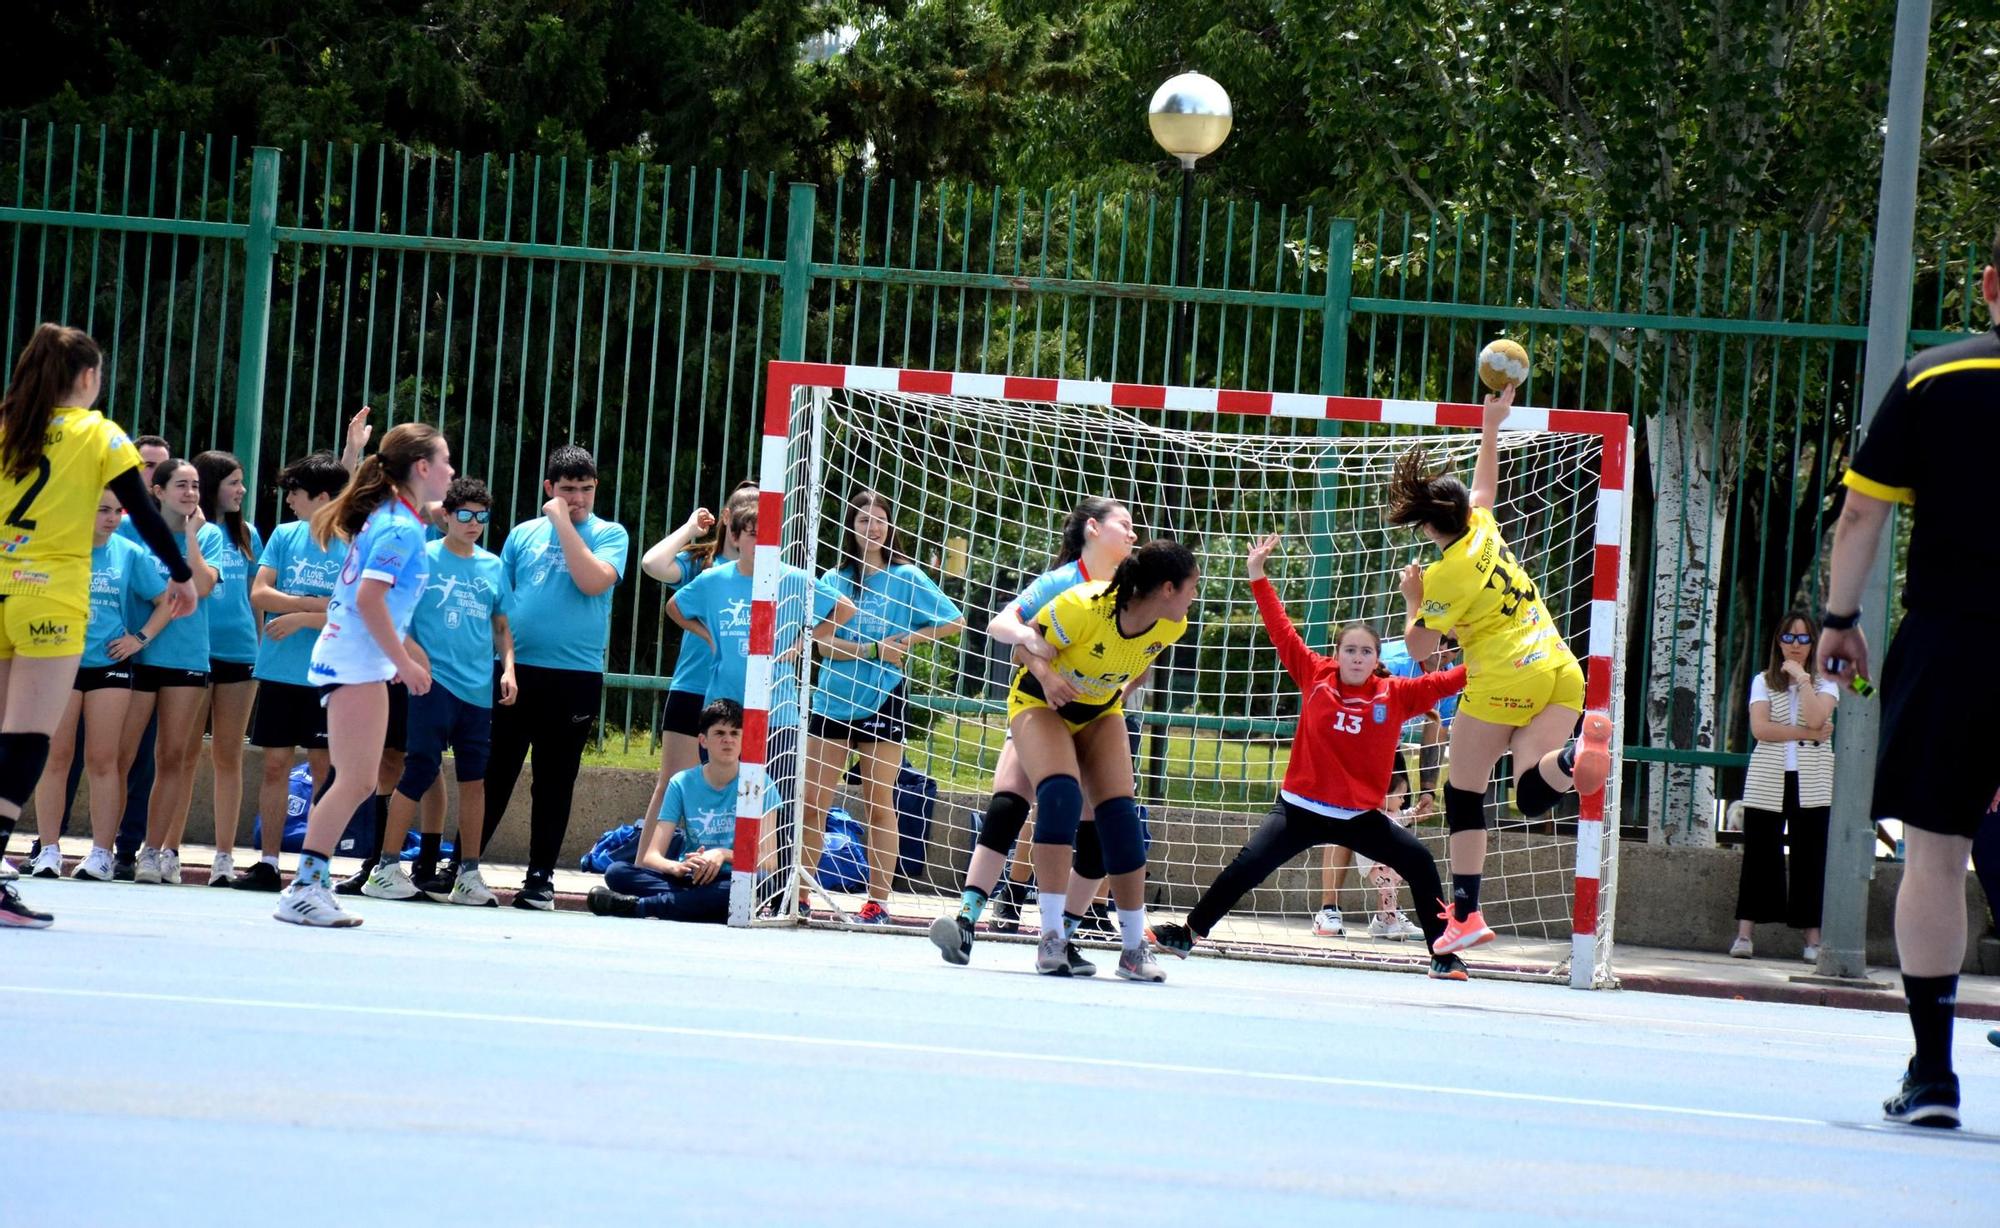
(1501, 363)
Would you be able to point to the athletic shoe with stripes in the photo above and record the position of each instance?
(470, 890)
(536, 894)
(170, 867)
(222, 871)
(96, 866)
(1137, 964)
(1593, 755)
(15, 912)
(148, 868)
(1461, 935)
(1173, 938)
(1932, 1102)
(952, 936)
(1052, 954)
(47, 863)
(312, 904)
(389, 880)
(1078, 965)
(7, 871)
(1448, 968)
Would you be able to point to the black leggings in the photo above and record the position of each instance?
(552, 716)
(1289, 830)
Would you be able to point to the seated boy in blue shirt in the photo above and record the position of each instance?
(681, 871)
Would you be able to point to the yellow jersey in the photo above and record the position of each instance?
(1092, 653)
(1480, 590)
(45, 515)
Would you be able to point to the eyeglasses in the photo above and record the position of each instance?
(466, 515)
(1795, 637)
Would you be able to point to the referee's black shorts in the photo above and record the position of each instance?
(1935, 767)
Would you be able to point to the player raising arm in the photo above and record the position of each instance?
(1342, 755)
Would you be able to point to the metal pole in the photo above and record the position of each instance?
(1172, 475)
(1184, 321)
(1850, 861)
(253, 338)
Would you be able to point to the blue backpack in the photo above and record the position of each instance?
(916, 801)
(298, 807)
(843, 859)
(619, 844)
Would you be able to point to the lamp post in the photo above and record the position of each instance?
(1190, 117)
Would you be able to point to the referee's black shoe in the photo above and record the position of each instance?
(1448, 967)
(259, 876)
(351, 885)
(1924, 1102)
(1173, 938)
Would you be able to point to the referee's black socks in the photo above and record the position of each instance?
(1932, 1001)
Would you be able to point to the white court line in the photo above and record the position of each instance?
(959, 1051)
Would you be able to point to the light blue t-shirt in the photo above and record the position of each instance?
(704, 815)
(122, 589)
(555, 626)
(183, 643)
(303, 570)
(1395, 658)
(889, 603)
(232, 624)
(1050, 585)
(720, 599)
(454, 621)
(696, 660)
(389, 548)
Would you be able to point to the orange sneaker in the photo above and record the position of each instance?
(1593, 755)
(1461, 935)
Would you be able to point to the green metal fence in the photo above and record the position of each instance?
(255, 298)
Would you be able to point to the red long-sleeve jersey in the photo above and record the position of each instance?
(1345, 747)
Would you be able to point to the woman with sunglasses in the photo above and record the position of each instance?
(1788, 790)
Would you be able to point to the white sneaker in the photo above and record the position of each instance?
(1740, 949)
(1394, 928)
(97, 866)
(1137, 964)
(1328, 924)
(7, 871)
(222, 871)
(471, 890)
(389, 880)
(170, 867)
(1812, 954)
(312, 904)
(147, 869)
(47, 863)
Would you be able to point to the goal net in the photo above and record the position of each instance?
(980, 473)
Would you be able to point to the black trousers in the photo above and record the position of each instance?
(1761, 890)
(1289, 830)
(552, 717)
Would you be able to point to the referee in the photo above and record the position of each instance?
(1942, 405)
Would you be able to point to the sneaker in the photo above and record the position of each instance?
(222, 871)
(1394, 928)
(872, 913)
(95, 867)
(389, 880)
(148, 870)
(1461, 935)
(1448, 968)
(170, 867)
(16, 913)
(1137, 964)
(436, 888)
(1006, 910)
(1933, 1103)
(125, 869)
(952, 936)
(263, 876)
(1078, 965)
(7, 871)
(1593, 755)
(604, 902)
(1811, 954)
(353, 883)
(312, 904)
(537, 894)
(469, 889)
(1173, 938)
(1740, 949)
(47, 863)
(1052, 955)
(1327, 923)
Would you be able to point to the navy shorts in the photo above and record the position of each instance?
(439, 719)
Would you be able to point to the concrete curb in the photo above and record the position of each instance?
(1837, 996)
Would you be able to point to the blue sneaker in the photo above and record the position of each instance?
(872, 913)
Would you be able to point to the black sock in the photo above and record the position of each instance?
(1566, 759)
(382, 827)
(429, 845)
(1932, 1001)
(1464, 895)
(6, 834)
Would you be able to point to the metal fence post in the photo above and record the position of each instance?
(795, 283)
(1336, 310)
(260, 249)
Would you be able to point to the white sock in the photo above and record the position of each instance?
(1052, 912)
(1132, 926)
(269, 860)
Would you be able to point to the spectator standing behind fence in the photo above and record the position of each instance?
(560, 569)
(1788, 790)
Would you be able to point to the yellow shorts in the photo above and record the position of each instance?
(1514, 699)
(41, 625)
(1076, 716)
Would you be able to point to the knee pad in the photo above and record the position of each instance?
(1089, 860)
(1058, 810)
(21, 758)
(1118, 828)
(1464, 810)
(1533, 795)
(1005, 814)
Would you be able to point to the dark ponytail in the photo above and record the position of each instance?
(50, 364)
(1417, 496)
(375, 482)
(1096, 507)
(1159, 562)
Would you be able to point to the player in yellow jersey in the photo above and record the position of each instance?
(1067, 717)
(1524, 687)
(56, 456)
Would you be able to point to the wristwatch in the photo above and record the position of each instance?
(1841, 622)
(142, 637)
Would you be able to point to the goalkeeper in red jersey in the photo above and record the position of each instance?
(1342, 756)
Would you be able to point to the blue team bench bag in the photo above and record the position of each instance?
(916, 801)
(298, 808)
(619, 844)
(843, 858)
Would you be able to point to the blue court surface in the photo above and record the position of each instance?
(180, 1058)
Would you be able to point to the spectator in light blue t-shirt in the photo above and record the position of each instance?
(560, 569)
(232, 647)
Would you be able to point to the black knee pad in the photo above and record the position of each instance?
(1089, 860)
(1464, 810)
(1533, 795)
(1005, 815)
(1058, 810)
(1118, 828)
(21, 758)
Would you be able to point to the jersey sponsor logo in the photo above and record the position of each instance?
(28, 575)
(1540, 654)
(323, 669)
(14, 543)
(1436, 607)
(1097, 650)
(47, 628)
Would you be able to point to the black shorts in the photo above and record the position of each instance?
(681, 713)
(288, 715)
(222, 673)
(114, 677)
(1934, 768)
(397, 736)
(151, 678)
(889, 723)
